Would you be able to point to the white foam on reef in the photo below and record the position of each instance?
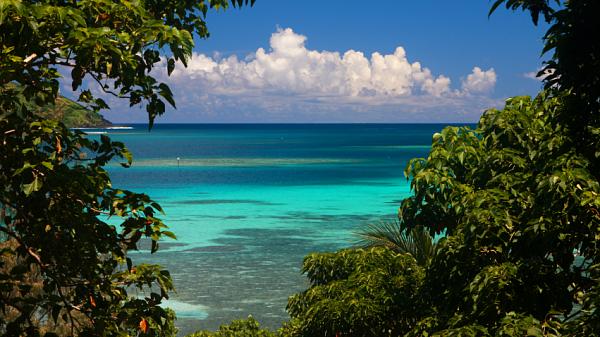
(116, 127)
(102, 130)
(119, 128)
(95, 132)
(186, 310)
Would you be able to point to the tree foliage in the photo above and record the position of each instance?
(573, 40)
(354, 293)
(238, 328)
(64, 267)
(520, 207)
(55, 198)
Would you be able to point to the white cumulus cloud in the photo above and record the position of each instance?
(289, 67)
(289, 82)
(479, 81)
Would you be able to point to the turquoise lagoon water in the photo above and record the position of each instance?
(248, 202)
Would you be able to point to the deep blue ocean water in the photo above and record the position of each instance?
(248, 202)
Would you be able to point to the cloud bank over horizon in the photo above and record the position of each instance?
(290, 82)
(290, 68)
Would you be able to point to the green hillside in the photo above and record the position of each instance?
(73, 114)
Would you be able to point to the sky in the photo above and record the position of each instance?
(285, 61)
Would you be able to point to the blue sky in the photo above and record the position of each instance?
(317, 63)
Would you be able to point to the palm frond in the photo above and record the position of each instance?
(415, 241)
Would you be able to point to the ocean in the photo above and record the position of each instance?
(249, 201)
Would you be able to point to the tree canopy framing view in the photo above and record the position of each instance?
(514, 203)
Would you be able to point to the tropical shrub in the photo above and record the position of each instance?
(64, 268)
(238, 328)
(520, 206)
(357, 292)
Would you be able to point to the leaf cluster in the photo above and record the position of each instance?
(356, 292)
(238, 328)
(519, 204)
(65, 268)
(114, 44)
(573, 43)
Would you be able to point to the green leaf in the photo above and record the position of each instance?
(165, 92)
(169, 234)
(170, 66)
(495, 6)
(34, 186)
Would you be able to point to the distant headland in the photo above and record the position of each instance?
(73, 114)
